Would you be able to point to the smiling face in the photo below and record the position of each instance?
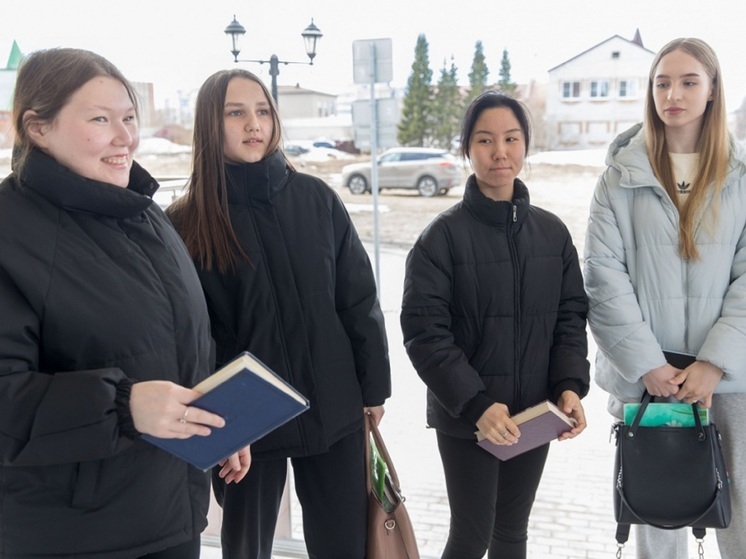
(497, 149)
(95, 134)
(248, 123)
(681, 90)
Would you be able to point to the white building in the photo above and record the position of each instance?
(597, 94)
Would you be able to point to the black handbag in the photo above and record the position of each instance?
(669, 477)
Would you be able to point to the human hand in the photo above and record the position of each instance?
(698, 381)
(569, 402)
(662, 381)
(377, 413)
(236, 466)
(496, 425)
(161, 409)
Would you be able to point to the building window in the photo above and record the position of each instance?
(570, 90)
(615, 54)
(599, 88)
(627, 88)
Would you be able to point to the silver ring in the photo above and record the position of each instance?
(504, 435)
(183, 418)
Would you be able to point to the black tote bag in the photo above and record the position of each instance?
(670, 477)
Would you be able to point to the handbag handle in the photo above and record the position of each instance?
(372, 429)
(646, 399)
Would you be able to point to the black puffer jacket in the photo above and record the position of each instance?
(494, 310)
(96, 291)
(306, 305)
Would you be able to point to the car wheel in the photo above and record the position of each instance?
(357, 184)
(427, 186)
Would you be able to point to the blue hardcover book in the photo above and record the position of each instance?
(251, 398)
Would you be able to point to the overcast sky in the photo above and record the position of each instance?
(176, 44)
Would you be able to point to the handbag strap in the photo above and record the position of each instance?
(368, 473)
(372, 429)
(647, 398)
(718, 490)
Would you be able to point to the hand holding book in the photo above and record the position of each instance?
(251, 399)
(536, 426)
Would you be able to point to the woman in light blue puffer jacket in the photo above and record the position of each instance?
(665, 265)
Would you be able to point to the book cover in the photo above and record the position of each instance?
(664, 414)
(251, 398)
(539, 425)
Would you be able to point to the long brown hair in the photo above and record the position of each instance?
(46, 81)
(201, 215)
(713, 144)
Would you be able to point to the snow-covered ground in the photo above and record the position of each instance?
(161, 146)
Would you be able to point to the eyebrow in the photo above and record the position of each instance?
(511, 131)
(109, 110)
(241, 104)
(689, 75)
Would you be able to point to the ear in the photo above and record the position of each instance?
(35, 128)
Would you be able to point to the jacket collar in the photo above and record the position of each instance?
(68, 190)
(497, 213)
(256, 182)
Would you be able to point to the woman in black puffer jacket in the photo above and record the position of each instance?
(103, 325)
(287, 278)
(494, 317)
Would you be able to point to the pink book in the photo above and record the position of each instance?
(539, 425)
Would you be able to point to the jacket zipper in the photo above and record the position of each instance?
(517, 311)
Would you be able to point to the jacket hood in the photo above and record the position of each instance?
(257, 182)
(70, 191)
(628, 154)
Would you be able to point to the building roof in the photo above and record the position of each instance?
(8, 78)
(15, 57)
(637, 41)
(298, 90)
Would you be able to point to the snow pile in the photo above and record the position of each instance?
(160, 146)
(583, 157)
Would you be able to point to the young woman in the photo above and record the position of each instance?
(494, 322)
(665, 263)
(103, 324)
(286, 278)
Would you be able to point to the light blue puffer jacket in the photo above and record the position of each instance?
(643, 297)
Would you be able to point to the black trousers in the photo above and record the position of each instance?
(331, 491)
(490, 500)
(188, 550)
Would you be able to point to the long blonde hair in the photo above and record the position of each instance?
(713, 144)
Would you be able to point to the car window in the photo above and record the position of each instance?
(389, 157)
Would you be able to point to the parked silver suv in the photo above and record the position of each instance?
(430, 171)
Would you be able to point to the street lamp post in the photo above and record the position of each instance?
(311, 34)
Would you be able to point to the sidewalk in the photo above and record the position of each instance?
(572, 517)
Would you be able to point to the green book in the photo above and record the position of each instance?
(381, 480)
(660, 414)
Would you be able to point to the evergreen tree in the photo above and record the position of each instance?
(446, 108)
(505, 84)
(413, 128)
(479, 73)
